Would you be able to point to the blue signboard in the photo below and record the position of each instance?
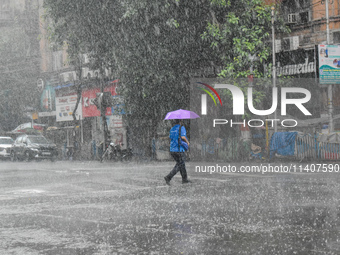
(119, 106)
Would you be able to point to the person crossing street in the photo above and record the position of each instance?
(177, 151)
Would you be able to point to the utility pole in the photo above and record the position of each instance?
(102, 101)
(330, 86)
(102, 109)
(274, 64)
(327, 21)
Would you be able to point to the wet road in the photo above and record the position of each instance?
(113, 208)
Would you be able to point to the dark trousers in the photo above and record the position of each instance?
(179, 157)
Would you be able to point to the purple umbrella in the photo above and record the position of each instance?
(181, 114)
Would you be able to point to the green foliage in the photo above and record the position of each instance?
(239, 32)
(153, 46)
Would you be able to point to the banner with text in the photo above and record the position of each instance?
(65, 107)
(329, 64)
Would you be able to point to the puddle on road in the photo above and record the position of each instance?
(27, 191)
(21, 193)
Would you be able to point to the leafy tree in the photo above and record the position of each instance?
(241, 37)
(239, 34)
(153, 46)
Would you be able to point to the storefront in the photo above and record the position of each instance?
(58, 104)
(114, 115)
(298, 68)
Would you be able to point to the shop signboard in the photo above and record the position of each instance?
(115, 122)
(329, 64)
(46, 114)
(88, 107)
(47, 99)
(298, 63)
(65, 106)
(119, 107)
(117, 130)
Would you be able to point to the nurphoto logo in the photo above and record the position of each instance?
(238, 103)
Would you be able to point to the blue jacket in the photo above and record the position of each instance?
(174, 138)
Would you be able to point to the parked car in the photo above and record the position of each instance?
(5, 146)
(28, 147)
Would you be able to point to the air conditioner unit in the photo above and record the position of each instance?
(68, 76)
(294, 42)
(277, 46)
(62, 77)
(290, 43)
(292, 18)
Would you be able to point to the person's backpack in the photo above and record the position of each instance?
(181, 142)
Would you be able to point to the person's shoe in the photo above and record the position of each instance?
(186, 181)
(167, 180)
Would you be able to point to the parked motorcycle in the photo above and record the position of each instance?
(112, 152)
(126, 155)
(116, 153)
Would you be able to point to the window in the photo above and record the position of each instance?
(304, 17)
(6, 141)
(38, 139)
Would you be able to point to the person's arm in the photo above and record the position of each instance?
(185, 139)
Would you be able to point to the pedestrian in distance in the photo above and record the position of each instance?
(177, 151)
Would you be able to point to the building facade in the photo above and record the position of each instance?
(296, 51)
(20, 60)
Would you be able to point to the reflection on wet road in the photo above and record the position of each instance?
(93, 208)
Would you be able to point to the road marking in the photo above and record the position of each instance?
(74, 218)
(27, 191)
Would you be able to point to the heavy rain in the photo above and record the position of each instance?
(169, 127)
